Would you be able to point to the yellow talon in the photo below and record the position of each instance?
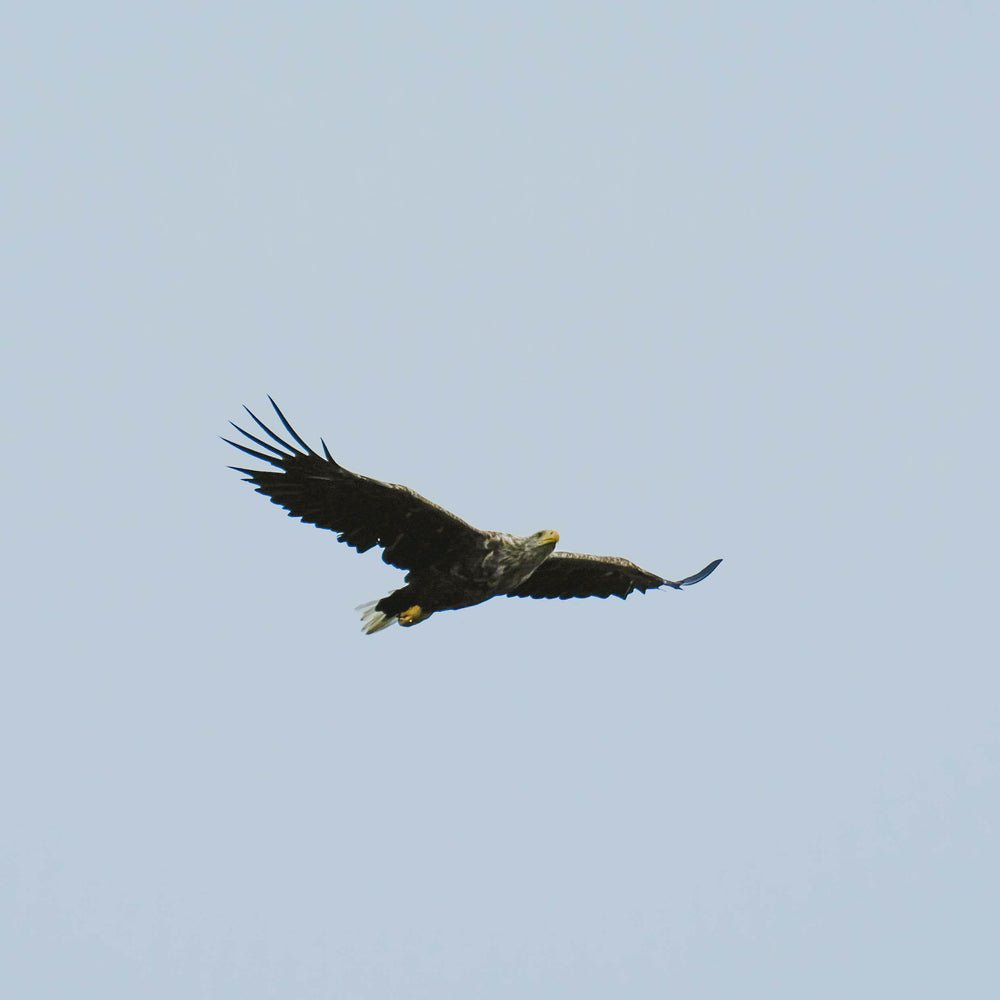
(412, 615)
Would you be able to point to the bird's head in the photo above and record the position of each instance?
(547, 537)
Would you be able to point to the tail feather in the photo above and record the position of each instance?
(373, 621)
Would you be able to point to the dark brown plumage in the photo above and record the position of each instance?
(450, 564)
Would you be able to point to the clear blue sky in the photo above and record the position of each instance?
(680, 281)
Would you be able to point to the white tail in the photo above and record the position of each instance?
(372, 620)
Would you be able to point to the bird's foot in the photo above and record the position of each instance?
(412, 615)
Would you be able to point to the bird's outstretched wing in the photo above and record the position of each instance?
(568, 574)
(363, 512)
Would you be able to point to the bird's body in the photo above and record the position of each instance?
(494, 565)
(449, 563)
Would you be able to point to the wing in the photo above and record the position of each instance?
(567, 574)
(363, 512)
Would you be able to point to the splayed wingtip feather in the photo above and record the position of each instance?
(250, 451)
(289, 428)
(267, 430)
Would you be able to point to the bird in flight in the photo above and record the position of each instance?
(449, 563)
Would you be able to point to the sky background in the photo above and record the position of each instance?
(679, 280)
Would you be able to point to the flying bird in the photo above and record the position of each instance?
(449, 563)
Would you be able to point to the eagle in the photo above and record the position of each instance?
(449, 564)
